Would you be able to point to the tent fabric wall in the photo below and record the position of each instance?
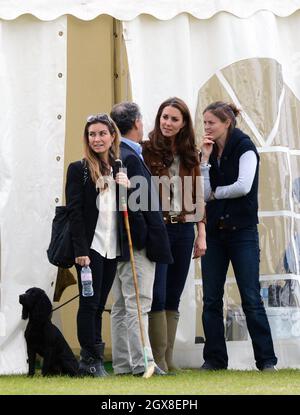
(254, 62)
(129, 9)
(185, 52)
(202, 43)
(32, 131)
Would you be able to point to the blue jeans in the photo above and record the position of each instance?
(89, 316)
(170, 279)
(241, 247)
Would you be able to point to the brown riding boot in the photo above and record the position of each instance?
(172, 322)
(158, 337)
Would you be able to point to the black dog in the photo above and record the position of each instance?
(44, 338)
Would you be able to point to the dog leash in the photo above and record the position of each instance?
(71, 299)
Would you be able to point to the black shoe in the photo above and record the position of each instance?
(91, 364)
(99, 353)
(208, 366)
(268, 368)
(92, 367)
(157, 372)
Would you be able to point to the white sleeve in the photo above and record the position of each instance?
(247, 169)
(207, 186)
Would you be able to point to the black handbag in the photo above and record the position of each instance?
(61, 252)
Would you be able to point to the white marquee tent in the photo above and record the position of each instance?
(246, 52)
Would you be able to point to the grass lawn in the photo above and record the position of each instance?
(186, 382)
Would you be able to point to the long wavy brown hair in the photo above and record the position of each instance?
(97, 167)
(184, 141)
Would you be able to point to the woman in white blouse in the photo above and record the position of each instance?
(97, 230)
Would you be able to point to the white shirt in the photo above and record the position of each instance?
(106, 241)
(176, 195)
(247, 169)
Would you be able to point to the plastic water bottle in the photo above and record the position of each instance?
(87, 282)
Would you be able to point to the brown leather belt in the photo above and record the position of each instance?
(174, 218)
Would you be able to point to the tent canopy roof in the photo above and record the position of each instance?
(129, 9)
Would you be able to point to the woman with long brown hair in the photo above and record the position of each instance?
(173, 160)
(97, 231)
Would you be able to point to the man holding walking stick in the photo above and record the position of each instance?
(131, 351)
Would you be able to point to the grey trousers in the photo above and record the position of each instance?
(127, 350)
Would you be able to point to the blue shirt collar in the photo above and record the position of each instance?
(135, 146)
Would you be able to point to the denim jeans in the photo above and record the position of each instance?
(241, 247)
(170, 279)
(89, 316)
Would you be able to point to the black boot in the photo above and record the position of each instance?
(99, 350)
(91, 364)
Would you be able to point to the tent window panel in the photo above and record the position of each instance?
(274, 182)
(274, 238)
(295, 167)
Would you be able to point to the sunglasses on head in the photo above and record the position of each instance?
(98, 117)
